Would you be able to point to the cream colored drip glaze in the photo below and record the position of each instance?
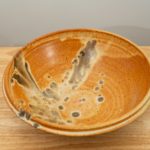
(45, 104)
(42, 104)
(81, 68)
(85, 62)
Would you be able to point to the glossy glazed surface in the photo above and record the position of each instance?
(77, 80)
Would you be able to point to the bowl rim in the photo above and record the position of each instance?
(111, 125)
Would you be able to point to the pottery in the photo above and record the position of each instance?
(78, 82)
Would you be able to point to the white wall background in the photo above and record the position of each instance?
(24, 20)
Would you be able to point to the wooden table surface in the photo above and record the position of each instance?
(15, 134)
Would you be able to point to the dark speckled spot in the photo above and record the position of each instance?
(22, 113)
(53, 85)
(60, 107)
(35, 125)
(66, 98)
(25, 114)
(82, 53)
(70, 81)
(75, 114)
(69, 121)
(96, 88)
(82, 99)
(75, 61)
(100, 98)
(101, 82)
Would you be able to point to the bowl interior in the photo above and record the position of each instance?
(77, 80)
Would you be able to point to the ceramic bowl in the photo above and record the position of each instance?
(78, 82)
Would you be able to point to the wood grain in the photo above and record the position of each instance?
(16, 134)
